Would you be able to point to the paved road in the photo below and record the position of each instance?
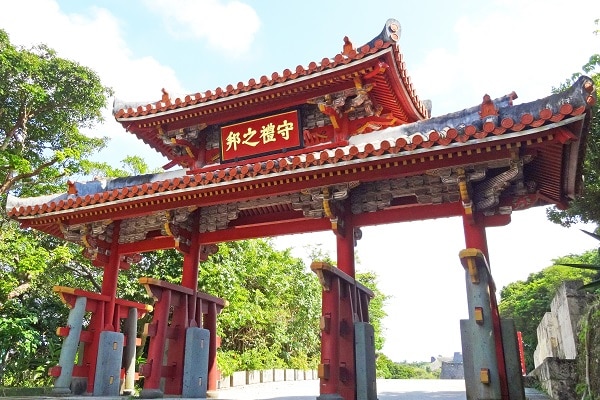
(387, 389)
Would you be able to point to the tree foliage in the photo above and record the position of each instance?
(376, 306)
(388, 369)
(44, 102)
(274, 305)
(30, 264)
(586, 207)
(527, 301)
(272, 319)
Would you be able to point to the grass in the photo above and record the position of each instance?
(24, 391)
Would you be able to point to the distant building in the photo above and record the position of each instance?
(450, 367)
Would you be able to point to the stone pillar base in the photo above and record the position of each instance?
(330, 396)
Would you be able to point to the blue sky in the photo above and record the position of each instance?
(455, 52)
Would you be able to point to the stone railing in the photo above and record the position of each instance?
(241, 378)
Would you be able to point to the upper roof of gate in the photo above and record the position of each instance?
(364, 89)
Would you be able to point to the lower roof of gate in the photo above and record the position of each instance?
(522, 156)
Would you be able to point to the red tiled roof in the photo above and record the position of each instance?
(166, 104)
(429, 139)
(183, 129)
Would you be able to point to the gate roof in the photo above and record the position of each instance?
(367, 148)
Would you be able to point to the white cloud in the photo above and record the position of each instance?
(94, 39)
(229, 27)
(526, 47)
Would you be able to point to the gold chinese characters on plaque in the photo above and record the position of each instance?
(269, 134)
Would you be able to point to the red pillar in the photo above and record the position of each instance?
(521, 353)
(160, 319)
(103, 320)
(475, 237)
(329, 375)
(189, 276)
(210, 323)
(110, 278)
(183, 315)
(345, 346)
(345, 250)
(337, 370)
(191, 264)
(176, 344)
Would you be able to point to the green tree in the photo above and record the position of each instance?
(388, 369)
(586, 207)
(30, 264)
(376, 306)
(527, 301)
(44, 102)
(272, 319)
(273, 313)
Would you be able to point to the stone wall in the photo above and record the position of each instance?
(558, 377)
(453, 369)
(569, 304)
(557, 332)
(547, 335)
(555, 354)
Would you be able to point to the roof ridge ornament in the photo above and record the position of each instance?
(348, 47)
(389, 34)
(487, 107)
(166, 98)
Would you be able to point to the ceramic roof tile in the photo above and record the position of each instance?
(124, 111)
(464, 127)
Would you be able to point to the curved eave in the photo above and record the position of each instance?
(246, 93)
(393, 91)
(551, 131)
(361, 162)
(403, 87)
(573, 160)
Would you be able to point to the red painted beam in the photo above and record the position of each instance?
(262, 227)
(268, 219)
(253, 232)
(496, 220)
(405, 214)
(159, 243)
